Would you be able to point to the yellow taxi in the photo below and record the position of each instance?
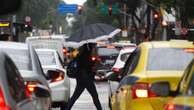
(186, 91)
(152, 62)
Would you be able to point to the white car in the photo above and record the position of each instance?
(60, 87)
(117, 70)
(47, 42)
(121, 59)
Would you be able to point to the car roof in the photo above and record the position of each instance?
(45, 37)
(13, 45)
(46, 50)
(167, 44)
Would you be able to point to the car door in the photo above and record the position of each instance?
(17, 89)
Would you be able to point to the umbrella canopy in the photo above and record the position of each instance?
(94, 32)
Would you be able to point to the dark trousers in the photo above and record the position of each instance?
(90, 86)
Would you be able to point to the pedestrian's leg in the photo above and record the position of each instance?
(78, 90)
(93, 92)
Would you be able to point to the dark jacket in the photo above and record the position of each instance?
(85, 64)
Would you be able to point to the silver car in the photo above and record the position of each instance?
(30, 68)
(60, 86)
(12, 88)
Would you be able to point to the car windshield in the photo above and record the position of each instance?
(20, 57)
(44, 43)
(168, 59)
(55, 44)
(46, 58)
(107, 51)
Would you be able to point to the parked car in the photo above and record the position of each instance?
(12, 87)
(30, 68)
(60, 86)
(184, 95)
(151, 62)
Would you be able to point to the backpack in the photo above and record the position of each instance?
(72, 69)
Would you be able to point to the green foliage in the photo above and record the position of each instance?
(91, 14)
(186, 5)
(43, 12)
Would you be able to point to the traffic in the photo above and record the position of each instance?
(96, 55)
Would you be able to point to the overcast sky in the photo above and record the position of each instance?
(80, 2)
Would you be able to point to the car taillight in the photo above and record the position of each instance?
(59, 78)
(169, 107)
(142, 90)
(3, 105)
(116, 70)
(93, 58)
(177, 107)
(64, 51)
(30, 88)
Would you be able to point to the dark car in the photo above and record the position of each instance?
(13, 95)
(106, 56)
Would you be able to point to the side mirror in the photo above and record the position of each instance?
(41, 91)
(53, 74)
(161, 88)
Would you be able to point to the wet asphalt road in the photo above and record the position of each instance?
(85, 100)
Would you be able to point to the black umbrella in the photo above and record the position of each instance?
(93, 32)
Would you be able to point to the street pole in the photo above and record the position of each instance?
(14, 36)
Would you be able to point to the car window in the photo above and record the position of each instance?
(15, 81)
(38, 64)
(55, 44)
(191, 83)
(20, 57)
(132, 62)
(46, 57)
(107, 51)
(124, 57)
(168, 59)
(44, 43)
(128, 80)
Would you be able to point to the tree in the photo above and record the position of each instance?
(184, 10)
(42, 12)
(91, 14)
